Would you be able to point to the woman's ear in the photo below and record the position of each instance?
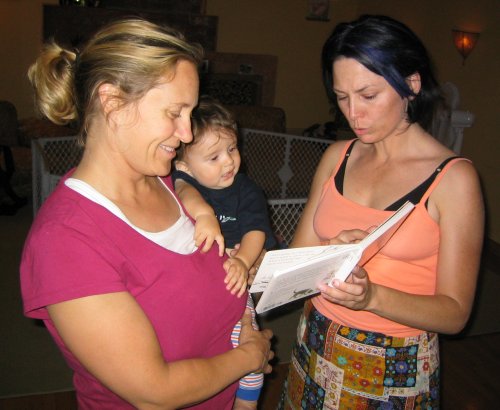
(108, 94)
(414, 82)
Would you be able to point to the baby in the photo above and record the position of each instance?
(210, 164)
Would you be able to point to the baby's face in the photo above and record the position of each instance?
(215, 160)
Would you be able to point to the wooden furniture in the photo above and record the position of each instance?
(72, 25)
(259, 117)
(8, 138)
(259, 68)
(159, 6)
(232, 78)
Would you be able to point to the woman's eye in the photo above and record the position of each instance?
(175, 115)
(214, 158)
(370, 97)
(341, 98)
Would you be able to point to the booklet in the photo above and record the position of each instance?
(287, 275)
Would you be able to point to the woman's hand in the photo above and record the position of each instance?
(346, 237)
(113, 338)
(256, 343)
(355, 293)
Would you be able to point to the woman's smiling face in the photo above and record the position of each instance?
(150, 131)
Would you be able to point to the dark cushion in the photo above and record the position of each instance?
(8, 124)
(259, 117)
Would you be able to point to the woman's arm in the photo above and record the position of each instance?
(457, 206)
(110, 335)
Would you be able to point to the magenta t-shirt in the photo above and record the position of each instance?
(77, 248)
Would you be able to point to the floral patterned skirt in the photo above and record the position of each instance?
(338, 367)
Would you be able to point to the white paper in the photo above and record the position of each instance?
(291, 274)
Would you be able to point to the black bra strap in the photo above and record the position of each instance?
(414, 196)
(339, 176)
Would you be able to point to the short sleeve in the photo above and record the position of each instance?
(62, 263)
(253, 212)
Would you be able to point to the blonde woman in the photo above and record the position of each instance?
(141, 315)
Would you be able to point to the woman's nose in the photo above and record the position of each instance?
(184, 132)
(353, 110)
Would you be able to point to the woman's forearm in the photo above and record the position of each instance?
(188, 382)
(434, 313)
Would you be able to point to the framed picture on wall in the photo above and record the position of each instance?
(318, 10)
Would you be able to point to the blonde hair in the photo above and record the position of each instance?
(131, 54)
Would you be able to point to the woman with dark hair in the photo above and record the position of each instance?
(371, 341)
(390, 50)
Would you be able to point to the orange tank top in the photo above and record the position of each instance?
(408, 262)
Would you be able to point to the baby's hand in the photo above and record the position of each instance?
(253, 269)
(237, 276)
(207, 230)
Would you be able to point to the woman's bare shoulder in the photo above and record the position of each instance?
(462, 173)
(331, 157)
(460, 187)
(334, 150)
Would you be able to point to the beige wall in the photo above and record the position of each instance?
(20, 41)
(279, 27)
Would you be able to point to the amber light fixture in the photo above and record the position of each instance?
(465, 42)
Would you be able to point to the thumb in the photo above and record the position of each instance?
(358, 272)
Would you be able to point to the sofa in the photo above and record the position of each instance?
(9, 137)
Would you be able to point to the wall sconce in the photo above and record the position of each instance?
(464, 42)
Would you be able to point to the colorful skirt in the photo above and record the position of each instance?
(338, 367)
